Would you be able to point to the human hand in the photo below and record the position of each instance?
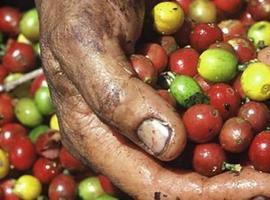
(94, 89)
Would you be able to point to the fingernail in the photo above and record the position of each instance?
(154, 134)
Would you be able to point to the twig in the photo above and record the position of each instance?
(26, 77)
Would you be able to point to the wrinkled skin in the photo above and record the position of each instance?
(84, 46)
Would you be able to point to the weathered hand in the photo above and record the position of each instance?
(87, 41)
(84, 46)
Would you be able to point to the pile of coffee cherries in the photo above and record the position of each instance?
(211, 61)
(33, 162)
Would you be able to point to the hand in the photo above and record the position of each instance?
(93, 87)
(86, 43)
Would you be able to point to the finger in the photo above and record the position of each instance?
(246, 185)
(131, 169)
(88, 44)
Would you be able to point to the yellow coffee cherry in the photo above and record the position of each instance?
(255, 81)
(168, 17)
(27, 187)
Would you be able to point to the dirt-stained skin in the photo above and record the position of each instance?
(99, 34)
(84, 45)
